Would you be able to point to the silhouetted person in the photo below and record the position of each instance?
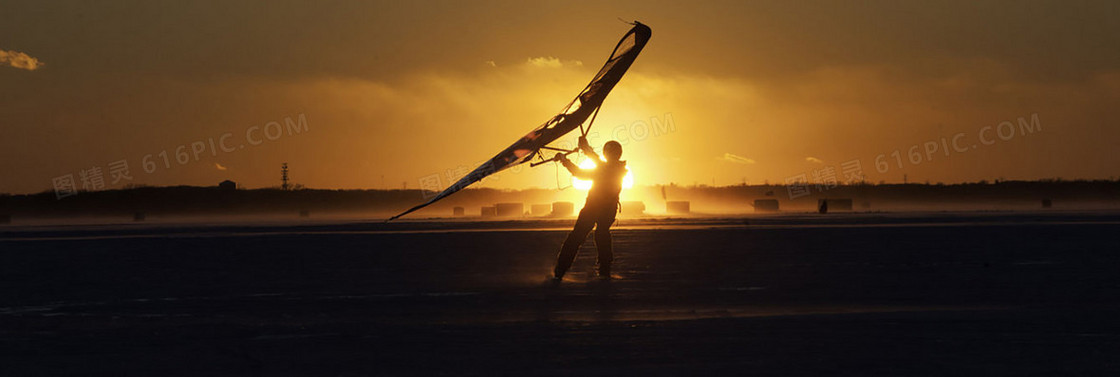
(599, 210)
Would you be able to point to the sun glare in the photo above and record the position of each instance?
(627, 181)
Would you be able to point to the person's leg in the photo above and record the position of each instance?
(603, 242)
(571, 244)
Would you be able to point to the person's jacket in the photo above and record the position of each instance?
(606, 180)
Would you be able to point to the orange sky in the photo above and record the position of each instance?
(392, 93)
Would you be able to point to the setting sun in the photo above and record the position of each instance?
(587, 163)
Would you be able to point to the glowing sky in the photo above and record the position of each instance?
(394, 92)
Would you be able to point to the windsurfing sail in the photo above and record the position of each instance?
(574, 115)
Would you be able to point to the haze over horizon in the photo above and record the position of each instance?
(376, 94)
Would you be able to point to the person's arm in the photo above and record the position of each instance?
(587, 150)
(572, 168)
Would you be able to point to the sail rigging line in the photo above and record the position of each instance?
(589, 124)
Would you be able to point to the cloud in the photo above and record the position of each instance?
(491, 63)
(19, 60)
(219, 166)
(551, 62)
(728, 157)
(814, 160)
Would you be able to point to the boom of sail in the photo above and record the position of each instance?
(574, 115)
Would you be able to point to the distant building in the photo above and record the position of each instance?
(634, 208)
(563, 208)
(227, 185)
(677, 207)
(458, 211)
(540, 209)
(510, 209)
(766, 205)
(825, 205)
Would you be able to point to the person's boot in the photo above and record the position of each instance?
(557, 274)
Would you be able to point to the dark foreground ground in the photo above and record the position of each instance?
(944, 294)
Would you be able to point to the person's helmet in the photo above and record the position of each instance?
(613, 150)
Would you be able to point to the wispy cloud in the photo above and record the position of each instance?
(814, 160)
(551, 62)
(728, 157)
(19, 60)
(219, 166)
